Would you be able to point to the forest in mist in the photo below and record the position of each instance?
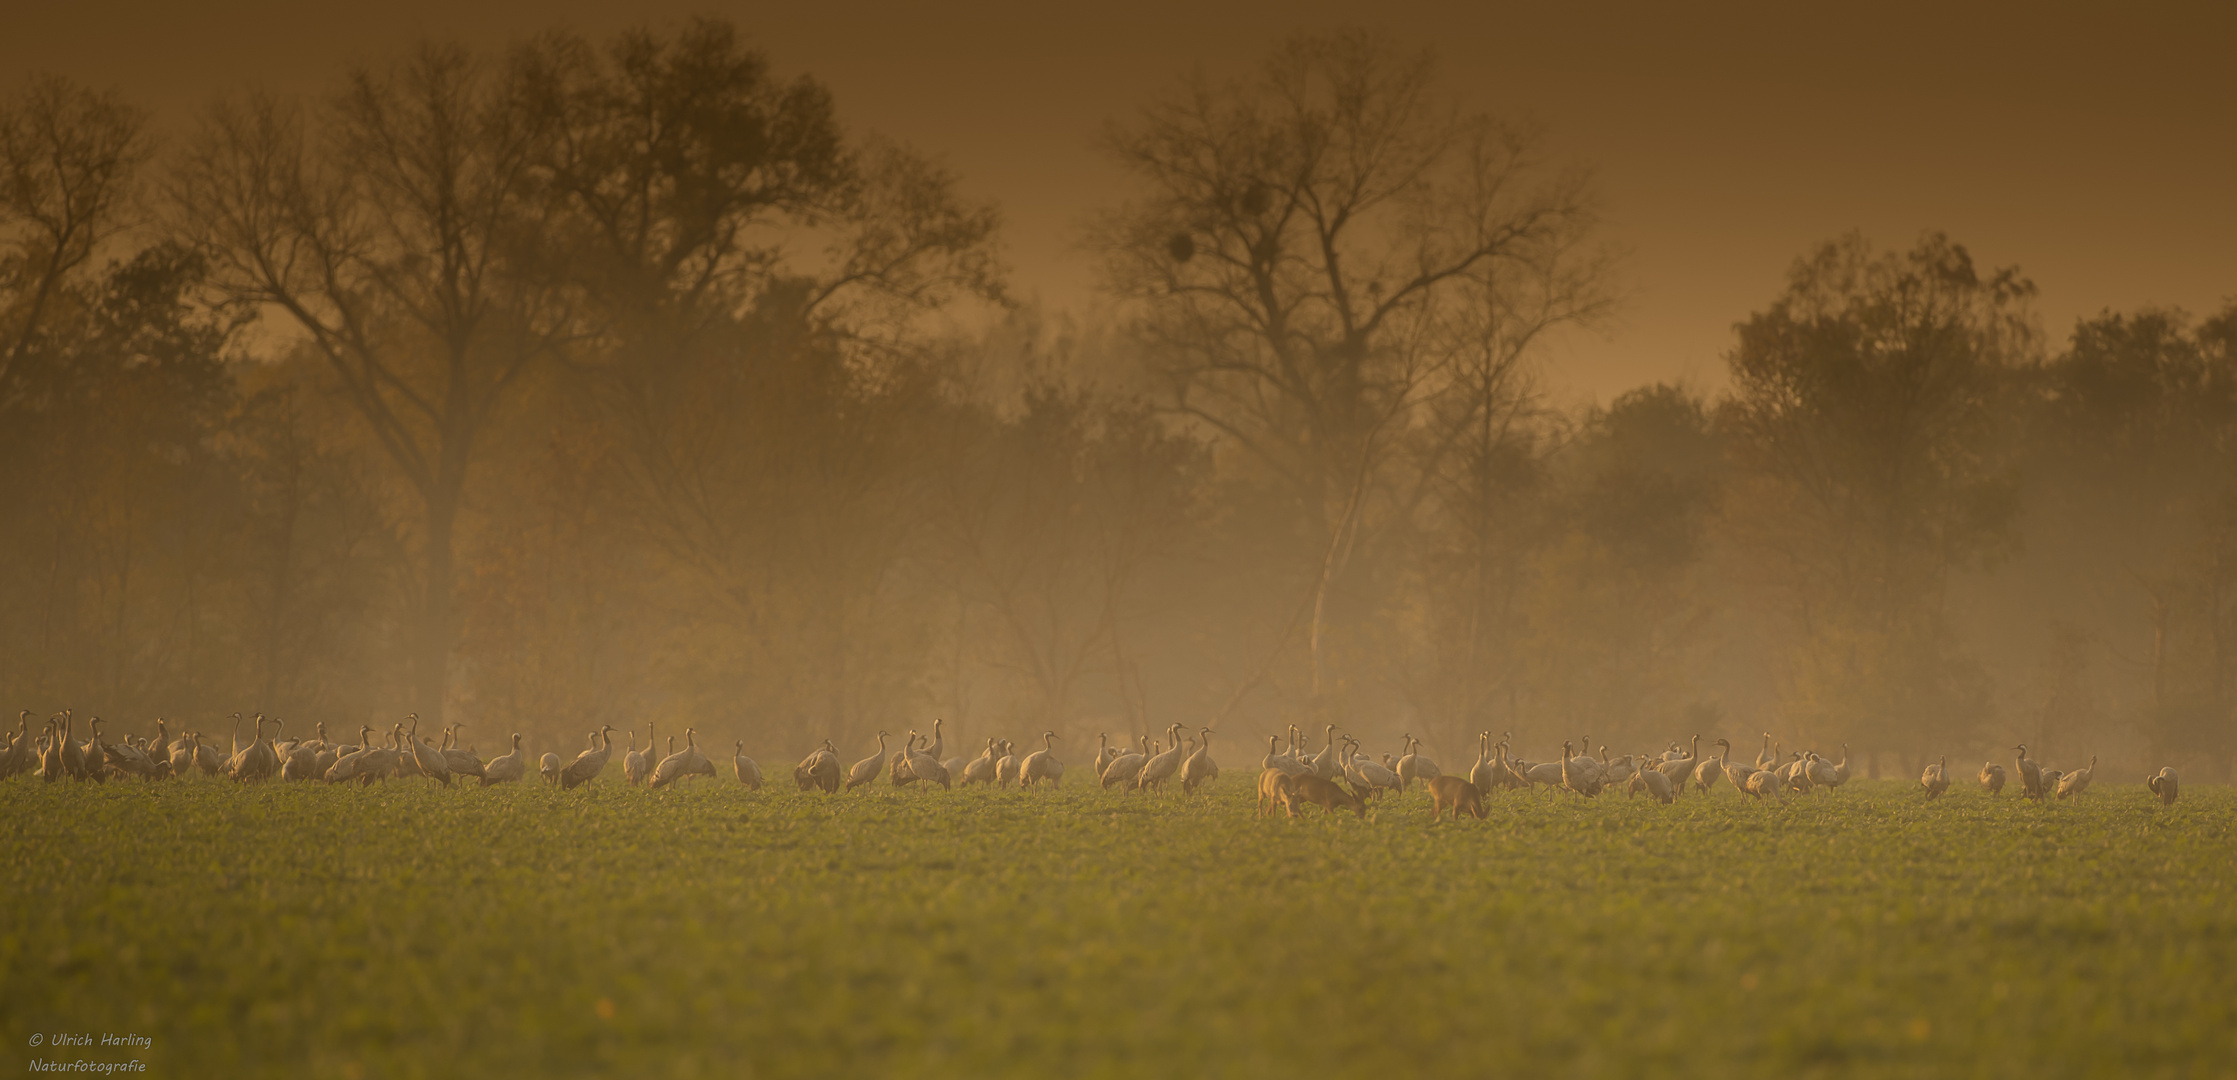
(599, 381)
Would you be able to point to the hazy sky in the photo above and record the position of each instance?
(2096, 147)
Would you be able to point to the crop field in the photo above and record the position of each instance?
(707, 930)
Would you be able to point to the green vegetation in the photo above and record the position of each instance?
(707, 930)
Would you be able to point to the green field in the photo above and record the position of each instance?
(408, 930)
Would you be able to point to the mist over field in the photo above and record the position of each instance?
(959, 540)
(611, 378)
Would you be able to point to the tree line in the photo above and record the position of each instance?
(586, 381)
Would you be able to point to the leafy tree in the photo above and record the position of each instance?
(1862, 418)
(1617, 612)
(747, 288)
(119, 501)
(2129, 485)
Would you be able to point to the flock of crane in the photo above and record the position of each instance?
(1291, 778)
(1337, 776)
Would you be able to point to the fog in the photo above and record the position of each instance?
(621, 379)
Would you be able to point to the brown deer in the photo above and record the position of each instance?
(1327, 794)
(1273, 791)
(1457, 793)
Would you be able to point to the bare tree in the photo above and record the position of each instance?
(69, 162)
(378, 224)
(1319, 243)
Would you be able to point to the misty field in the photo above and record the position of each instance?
(409, 930)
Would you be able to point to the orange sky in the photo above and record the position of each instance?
(2095, 147)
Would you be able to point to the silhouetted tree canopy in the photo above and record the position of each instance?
(603, 380)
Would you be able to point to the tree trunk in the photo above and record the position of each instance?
(1332, 563)
(283, 578)
(431, 668)
(2158, 741)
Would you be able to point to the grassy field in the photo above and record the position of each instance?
(406, 930)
